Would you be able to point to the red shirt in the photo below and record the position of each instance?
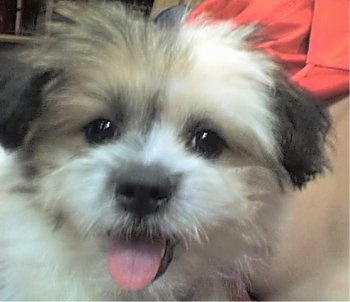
(309, 37)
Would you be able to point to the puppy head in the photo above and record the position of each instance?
(174, 142)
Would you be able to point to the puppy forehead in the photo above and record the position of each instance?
(132, 79)
(191, 71)
(187, 71)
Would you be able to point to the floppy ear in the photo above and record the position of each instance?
(302, 133)
(20, 99)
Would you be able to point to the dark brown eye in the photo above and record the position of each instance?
(208, 143)
(99, 131)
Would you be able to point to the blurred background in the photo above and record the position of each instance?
(24, 17)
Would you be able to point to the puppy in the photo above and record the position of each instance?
(146, 162)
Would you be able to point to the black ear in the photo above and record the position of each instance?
(171, 16)
(20, 99)
(302, 133)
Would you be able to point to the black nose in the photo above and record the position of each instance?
(143, 190)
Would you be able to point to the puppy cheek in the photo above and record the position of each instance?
(254, 194)
(209, 196)
(81, 193)
(265, 193)
(259, 181)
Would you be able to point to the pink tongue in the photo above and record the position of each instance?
(134, 264)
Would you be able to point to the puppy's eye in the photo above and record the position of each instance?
(208, 143)
(99, 131)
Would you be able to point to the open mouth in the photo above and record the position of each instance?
(135, 261)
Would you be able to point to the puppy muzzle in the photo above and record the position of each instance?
(141, 254)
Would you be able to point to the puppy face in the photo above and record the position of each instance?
(170, 148)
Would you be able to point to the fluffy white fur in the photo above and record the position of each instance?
(53, 225)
